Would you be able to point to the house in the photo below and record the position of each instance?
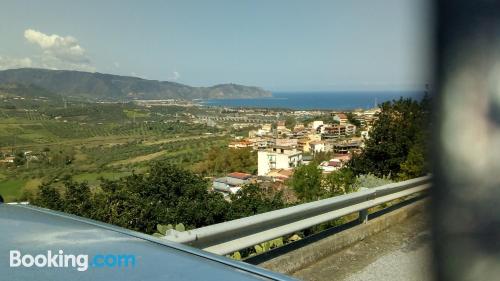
(240, 144)
(298, 127)
(306, 159)
(330, 166)
(232, 182)
(317, 146)
(333, 132)
(286, 142)
(336, 131)
(277, 158)
(350, 129)
(8, 159)
(343, 157)
(266, 128)
(344, 148)
(316, 124)
(280, 174)
(341, 118)
(303, 144)
(280, 125)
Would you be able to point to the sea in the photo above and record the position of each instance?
(317, 100)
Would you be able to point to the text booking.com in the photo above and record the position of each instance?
(58, 259)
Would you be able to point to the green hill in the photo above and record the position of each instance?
(115, 87)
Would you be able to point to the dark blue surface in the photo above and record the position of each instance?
(316, 100)
(35, 231)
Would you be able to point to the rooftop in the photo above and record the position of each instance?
(239, 175)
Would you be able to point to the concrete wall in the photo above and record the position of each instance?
(309, 254)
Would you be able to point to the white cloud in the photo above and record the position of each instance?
(62, 48)
(175, 76)
(8, 62)
(57, 52)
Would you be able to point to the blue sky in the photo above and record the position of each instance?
(278, 45)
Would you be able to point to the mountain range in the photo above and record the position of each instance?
(100, 86)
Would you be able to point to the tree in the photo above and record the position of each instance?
(19, 159)
(351, 118)
(306, 182)
(290, 122)
(400, 126)
(339, 182)
(221, 161)
(49, 197)
(166, 194)
(251, 200)
(77, 198)
(415, 164)
(370, 180)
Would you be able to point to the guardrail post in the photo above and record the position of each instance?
(363, 216)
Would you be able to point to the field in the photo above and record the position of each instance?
(11, 189)
(90, 141)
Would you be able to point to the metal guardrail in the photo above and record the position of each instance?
(228, 237)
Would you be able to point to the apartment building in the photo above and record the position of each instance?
(277, 158)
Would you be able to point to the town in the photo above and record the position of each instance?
(281, 148)
(54, 136)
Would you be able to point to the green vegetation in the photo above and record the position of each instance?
(166, 194)
(221, 161)
(398, 144)
(11, 189)
(143, 168)
(306, 182)
(352, 120)
(107, 86)
(396, 150)
(51, 138)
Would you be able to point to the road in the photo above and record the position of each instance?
(401, 252)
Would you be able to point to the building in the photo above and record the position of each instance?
(267, 128)
(333, 132)
(344, 148)
(298, 127)
(317, 146)
(341, 118)
(303, 143)
(280, 125)
(316, 124)
(306, 159)
(241, 144)
(330, 166)
(232, 182)
(336, 131)
(277, 158)
(280, 175)
(8, 159)
(287, 142)
(350, 129)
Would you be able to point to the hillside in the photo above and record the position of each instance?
(115, 87)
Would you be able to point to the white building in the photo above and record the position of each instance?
(278, 158)
(317, 146)
(330, 166)
(266, 128)
(316, 124)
